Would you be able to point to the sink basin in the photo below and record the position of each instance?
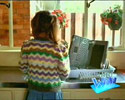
(77, 80)
(69, 85)
(14, 85)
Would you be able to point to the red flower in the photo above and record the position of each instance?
(53, 13)
(58, 11)
(116, 22)
(104, 21)
(110, 20)
(61, 17)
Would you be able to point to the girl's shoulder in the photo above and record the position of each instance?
(37, 41)
(61, 47)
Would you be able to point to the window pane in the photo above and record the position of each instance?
(99, 7)
(72, 6)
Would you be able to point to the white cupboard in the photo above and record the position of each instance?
(21, 93)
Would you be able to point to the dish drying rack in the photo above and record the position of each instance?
(86, 75)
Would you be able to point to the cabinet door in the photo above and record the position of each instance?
(66, 95)
(5, 95)
(83, 94)
(118, 94)
(20, 95)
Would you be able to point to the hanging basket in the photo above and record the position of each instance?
(112, 17)
(115, 24)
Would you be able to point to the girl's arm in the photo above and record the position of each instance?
(64, 64)
(24, 60)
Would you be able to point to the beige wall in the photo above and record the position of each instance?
(117, 59)
(11, 59)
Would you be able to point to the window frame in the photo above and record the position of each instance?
(11, 39)
(122, 46)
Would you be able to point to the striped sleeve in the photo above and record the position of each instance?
(64, 64)
(23, 61)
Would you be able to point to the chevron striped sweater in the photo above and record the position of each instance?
(45, 64)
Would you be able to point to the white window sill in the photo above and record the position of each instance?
(117, 51)
(8, 49)
(18, 49)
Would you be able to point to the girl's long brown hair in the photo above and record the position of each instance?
(43, 22)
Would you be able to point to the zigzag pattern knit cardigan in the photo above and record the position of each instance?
(44, 63)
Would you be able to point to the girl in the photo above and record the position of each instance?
(45, 58)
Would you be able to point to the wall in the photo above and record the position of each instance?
(117, 59)
(21, 20)
(11, 59)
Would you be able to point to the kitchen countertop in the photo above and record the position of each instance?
(14, 79)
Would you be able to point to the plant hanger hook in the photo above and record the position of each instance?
(90, 3)
(7, 5)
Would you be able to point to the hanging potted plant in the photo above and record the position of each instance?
(112, 17)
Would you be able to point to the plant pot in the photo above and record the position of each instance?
(115, 24)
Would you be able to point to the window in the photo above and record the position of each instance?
(95, 29)
(77, 13)
(72, 6)
(14, 24)
(94, 20)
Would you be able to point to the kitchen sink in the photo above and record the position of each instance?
(13, 85)
(64, 85)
